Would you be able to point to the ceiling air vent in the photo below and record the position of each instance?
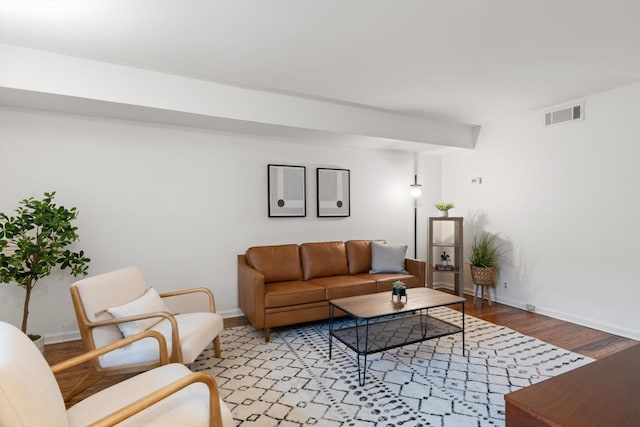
(564, 115)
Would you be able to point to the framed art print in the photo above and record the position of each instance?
(333, 192)
(287, 190)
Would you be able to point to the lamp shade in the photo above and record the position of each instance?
(415, 190)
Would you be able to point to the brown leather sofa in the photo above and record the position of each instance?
(288, 284)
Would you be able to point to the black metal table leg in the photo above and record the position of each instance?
(424, 327)
(330, 329)
(362, 379)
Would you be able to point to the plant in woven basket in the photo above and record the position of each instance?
(484, 258)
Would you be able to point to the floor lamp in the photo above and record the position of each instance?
(415, 190)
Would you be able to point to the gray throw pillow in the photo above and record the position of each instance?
(387, 258)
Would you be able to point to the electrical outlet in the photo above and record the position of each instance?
(505, 285)
(530, 307)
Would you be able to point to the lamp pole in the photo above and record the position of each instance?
(416, 192)
(415, 229)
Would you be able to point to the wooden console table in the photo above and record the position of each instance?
(603, 393)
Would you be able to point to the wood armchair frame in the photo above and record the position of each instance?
(96, 371)
(215, 415)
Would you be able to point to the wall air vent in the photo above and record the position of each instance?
(564, 115)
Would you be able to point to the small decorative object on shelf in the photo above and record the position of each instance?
(444, 207)
(444, 257)
(399, 290)
(441, 267)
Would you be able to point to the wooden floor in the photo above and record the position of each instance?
(580, 339)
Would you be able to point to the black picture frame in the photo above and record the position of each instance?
(333, 192)
(286, 190)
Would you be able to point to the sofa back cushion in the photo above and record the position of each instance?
(324, 259)
(358, 256)
(278, 263)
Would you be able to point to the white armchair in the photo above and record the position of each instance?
(169, 395)
(121, 302)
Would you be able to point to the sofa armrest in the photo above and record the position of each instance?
(416, 267)
(251, 292)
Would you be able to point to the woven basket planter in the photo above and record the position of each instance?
(483, 276)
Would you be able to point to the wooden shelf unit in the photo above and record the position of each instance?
(453, 242)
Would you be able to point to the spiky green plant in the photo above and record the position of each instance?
(485, 251)
(399, 284)
(444, 206)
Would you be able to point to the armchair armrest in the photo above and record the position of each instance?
(176, 352)
(93, 354)
(207, 291)
(416, 267)
(251, 292)
(215, 416)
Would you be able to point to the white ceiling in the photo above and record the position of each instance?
(464, 61)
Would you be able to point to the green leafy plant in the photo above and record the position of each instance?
(35, 241)
(445, 256)
(444, 206)
(399, 284)
(485, 251)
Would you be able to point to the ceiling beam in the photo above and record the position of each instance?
(39, 79)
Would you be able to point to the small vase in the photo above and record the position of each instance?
(398, 293)
(444, 263)
(444, 214)
(38, 342)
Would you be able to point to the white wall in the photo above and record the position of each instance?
(179, 203)
(567, 200)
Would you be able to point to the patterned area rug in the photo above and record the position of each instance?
(290, 380)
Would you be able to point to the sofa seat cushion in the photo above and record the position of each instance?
(345, 286)
(277, 263)
(384, 281)
(323, 259)
(283, 294)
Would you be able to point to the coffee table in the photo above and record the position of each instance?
(381, 323)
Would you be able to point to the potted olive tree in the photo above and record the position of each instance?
(34, 242)
(484, 258)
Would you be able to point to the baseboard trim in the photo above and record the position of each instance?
(60, 337)
(601, 326)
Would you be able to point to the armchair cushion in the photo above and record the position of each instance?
(98, 293)
(150, 302)
(387, 258)
(196, 332)
(29, 393)
(183, 408)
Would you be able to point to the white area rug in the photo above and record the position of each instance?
(290, 380)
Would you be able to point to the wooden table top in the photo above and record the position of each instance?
(603, 393)
(381, 304)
